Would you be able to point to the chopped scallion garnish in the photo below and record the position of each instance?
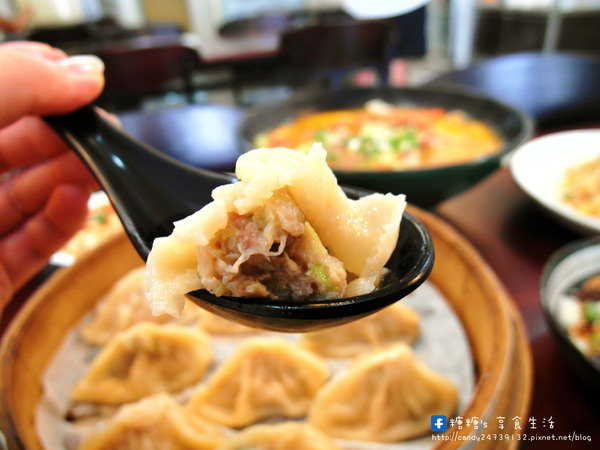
(99, 217)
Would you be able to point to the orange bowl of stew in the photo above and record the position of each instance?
(428, 144)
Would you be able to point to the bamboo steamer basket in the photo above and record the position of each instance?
(494, 329)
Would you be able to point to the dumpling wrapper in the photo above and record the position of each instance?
(361, 233)
(385, 396)
(143, 360)
(156, 422)
(281, 436)
(394, 324)
(263, 378)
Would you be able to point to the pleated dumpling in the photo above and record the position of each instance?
(281, 436)
(263, 378)
(396, 323)
(154, 423)
(125, 305)
(146, 359)
(285, 230)
(384, 396)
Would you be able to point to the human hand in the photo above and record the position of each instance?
(44, 187)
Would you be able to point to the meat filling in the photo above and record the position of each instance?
(272, 252)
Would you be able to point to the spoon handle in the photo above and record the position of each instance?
(148, 189)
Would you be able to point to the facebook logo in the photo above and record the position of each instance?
(438, 423)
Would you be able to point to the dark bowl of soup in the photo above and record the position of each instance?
(570, 299)
(429, 144)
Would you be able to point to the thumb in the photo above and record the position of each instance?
(33, 84)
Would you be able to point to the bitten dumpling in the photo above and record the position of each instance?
(286, 230)
(264, 378)
(394, 324)
(154, 423)
(146, 359)
(281, 436)
(384, 396)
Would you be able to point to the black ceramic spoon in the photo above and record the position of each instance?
(150, 190)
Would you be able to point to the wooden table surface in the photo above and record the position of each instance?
(556, 89)
(200, 135)
(516, 239)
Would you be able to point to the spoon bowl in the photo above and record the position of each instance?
(149, 191)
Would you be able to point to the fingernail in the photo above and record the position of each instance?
(83, 64)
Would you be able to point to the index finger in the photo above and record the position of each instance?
(36, 48)
(31, 84)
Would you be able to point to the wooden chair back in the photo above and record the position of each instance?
(337, 46)
(146, 69)
(136, 72)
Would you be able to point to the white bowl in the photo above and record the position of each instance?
(538, 167)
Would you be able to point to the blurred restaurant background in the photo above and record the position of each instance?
(185, 75)
(216, 58)
(238, 46)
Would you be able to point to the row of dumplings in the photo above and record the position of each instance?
(267, 389)
(159, 422)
